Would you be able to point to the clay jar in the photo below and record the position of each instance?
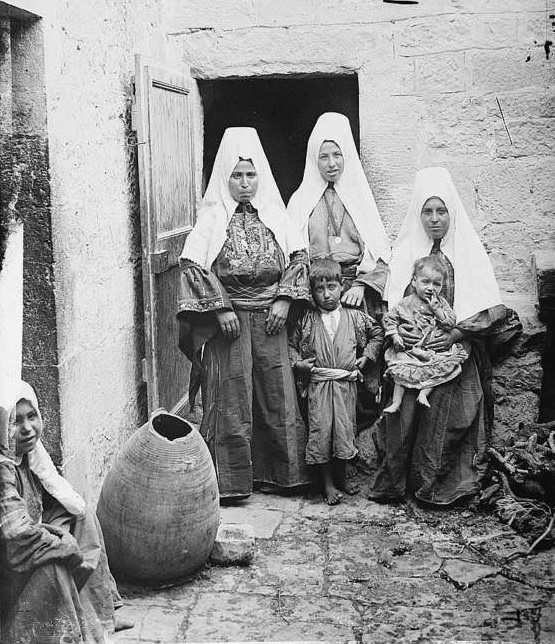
(159, 505)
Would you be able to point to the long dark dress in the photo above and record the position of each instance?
(440, 453)
(52, 589)
(251, 421)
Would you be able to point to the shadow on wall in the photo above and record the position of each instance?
(135, 250)
(283, 110)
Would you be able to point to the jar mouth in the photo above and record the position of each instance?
(171, 427)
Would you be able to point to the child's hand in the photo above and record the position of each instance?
(398, 342)
(360, 364)
(304, 367)
(434, 302)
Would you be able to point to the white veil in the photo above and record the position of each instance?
(208, 236)
(476, 288)
(352, 187)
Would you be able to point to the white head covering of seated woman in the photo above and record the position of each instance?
(209, 234)
(352, 186)
(41, 464)
(476, 288)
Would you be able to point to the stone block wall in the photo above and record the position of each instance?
(462, 83)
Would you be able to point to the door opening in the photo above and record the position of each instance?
(283, 110)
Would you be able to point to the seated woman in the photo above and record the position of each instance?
(243, 265)
(336, 212)
(440, 452)
(55, 584)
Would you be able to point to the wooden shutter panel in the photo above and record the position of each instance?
(163, 115)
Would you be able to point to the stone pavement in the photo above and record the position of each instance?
(357, 572)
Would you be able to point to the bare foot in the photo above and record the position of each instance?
(422, 400)
(392, 409)
(332, 495)
(350, 487)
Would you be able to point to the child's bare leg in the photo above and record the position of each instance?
(398, 393)
(351, 469)
(332, 495)
(346, 483)
(422, 397)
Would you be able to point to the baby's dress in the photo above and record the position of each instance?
(419, 367)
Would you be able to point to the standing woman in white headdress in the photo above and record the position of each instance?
(243, 265)
(439, 453)
(336, 212)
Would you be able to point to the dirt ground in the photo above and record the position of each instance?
(358, 572)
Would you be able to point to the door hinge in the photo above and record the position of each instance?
(144, 370)
(159, 261)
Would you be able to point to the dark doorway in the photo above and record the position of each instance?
(283, 110)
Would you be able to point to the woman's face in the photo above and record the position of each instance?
(28, 427)
(330, 161)
(435, 218)
(243, 182)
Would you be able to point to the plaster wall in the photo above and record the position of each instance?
(436, 79)
(89, 65)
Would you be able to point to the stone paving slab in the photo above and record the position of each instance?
(264, 520)
(227, 617)
(360, 572)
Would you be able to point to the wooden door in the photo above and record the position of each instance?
(163, 118)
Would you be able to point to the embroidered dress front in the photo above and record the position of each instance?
(242, 258)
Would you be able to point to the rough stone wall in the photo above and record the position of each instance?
(436, 79)
(89, 65)
(25, 195)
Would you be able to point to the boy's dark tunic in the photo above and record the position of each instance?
(332, 389)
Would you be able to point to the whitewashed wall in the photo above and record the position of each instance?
(89, 61)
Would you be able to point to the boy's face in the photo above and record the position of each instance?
(427, 283)
(327, 294)
(28, 427)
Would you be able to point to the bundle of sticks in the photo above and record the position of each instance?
(520, 487)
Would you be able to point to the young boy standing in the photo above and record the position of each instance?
(328, 349)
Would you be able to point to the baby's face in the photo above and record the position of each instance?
(28, 427)
(326, 294)
(427, 282)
